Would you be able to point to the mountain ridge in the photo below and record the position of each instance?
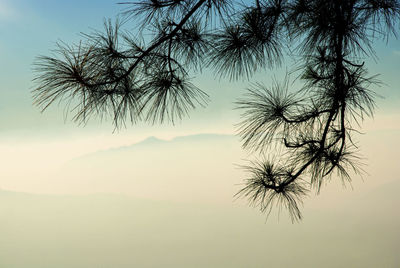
(153, 140)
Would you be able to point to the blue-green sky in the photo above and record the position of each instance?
(31, 28)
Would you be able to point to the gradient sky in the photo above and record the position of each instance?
(31, 28)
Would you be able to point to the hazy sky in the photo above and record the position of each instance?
(31, 28)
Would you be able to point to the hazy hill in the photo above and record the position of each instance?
(103, 230)
(170, 204)
(192, 168)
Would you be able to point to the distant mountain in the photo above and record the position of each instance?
(195, 167)
(206, 139)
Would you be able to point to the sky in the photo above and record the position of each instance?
(35, 147)
(32, 28)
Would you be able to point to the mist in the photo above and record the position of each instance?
(171, 203)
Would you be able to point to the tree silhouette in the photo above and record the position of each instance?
(145, 76)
